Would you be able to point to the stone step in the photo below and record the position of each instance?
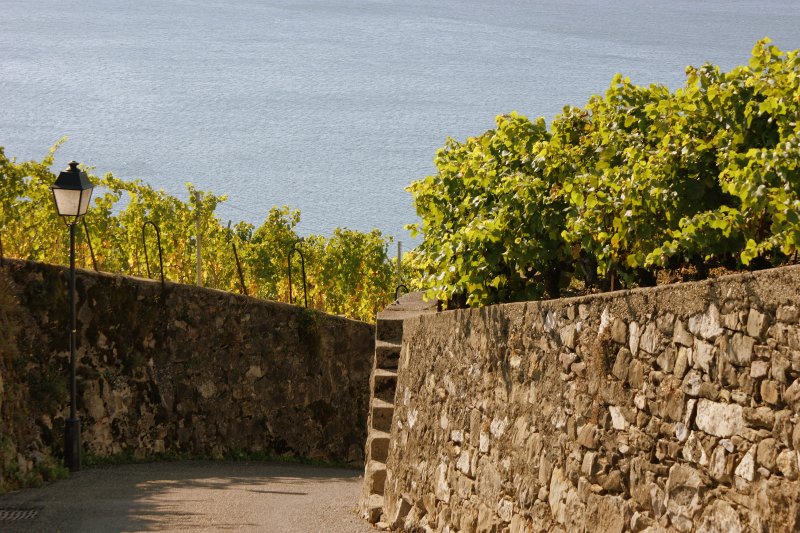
(378, 445)
(382, 412)
(387, 354)
(384, 384)
(374, 508)
(389, 330)
(375, 477)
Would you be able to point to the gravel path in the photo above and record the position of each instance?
(194, 496)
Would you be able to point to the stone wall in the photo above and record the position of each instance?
(185, 370)
(674, 408)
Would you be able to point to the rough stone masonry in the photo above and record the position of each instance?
(183, 370)
(671, 408)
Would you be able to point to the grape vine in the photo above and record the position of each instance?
(348, 273)
(638, 180)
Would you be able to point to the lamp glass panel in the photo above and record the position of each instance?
(86, 195)
(68, 202)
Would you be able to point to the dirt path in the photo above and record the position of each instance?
(194, 496)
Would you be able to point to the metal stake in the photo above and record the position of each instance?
(295, 249)
(89, 242)
(160, 252)
(197, 239)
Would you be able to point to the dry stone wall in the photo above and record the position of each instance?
(673, 408)
(185, 370)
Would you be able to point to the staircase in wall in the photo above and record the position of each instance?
(383, 385)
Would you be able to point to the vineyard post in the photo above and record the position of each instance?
(197, 240)
(399, 260)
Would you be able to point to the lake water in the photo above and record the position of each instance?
(330, 106)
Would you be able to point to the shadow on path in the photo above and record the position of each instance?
(196, 496)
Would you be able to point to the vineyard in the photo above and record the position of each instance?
(348, 273)
(640, 182)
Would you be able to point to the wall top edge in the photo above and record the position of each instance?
(172, 286)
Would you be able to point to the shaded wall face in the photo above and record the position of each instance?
(675, 406)
(196, 371)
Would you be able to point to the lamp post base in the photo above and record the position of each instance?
(72, 444)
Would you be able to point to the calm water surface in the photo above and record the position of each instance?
(330, 106)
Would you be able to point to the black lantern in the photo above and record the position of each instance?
(72, 192)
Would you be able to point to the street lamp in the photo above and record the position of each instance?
(72, 192)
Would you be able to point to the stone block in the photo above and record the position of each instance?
(468, 522)
(441, 485)
(650, 339)
(681, 363)
(786, 462)
(559, 485)
(767, 453)
(382, 413)
(464, 487)
(378, 445)
(771, 392)
(788, 314)
(505, 510)
(731, 321)
(792, 395)
(518, 525)
(567, 334)
(708, 390)
(398, 512)
(718, 465)
(475, 419)
(634, 335)
(618, 420)
(640, 522)
(589, 466)
(666, 323)
(759, 417)
(704, 354)
(757, 323)
(666, 359)
(487, 521)
(375, 477)
(746, 469)
(706, 325)
(693, 450)
(566, 359)
(636, 374)
(684, 492)
(719, 419)
(780, 366)
(740, 349)
(622, 364)
(691, 383)
(587, 436)
(373, 509)
(606, 513)
(619, 331)
(681, 336)
(489, 480)
(796, 437)
(720, 517)
(464, 465)
(759, 369)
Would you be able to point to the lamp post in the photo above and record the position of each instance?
(72, 192)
